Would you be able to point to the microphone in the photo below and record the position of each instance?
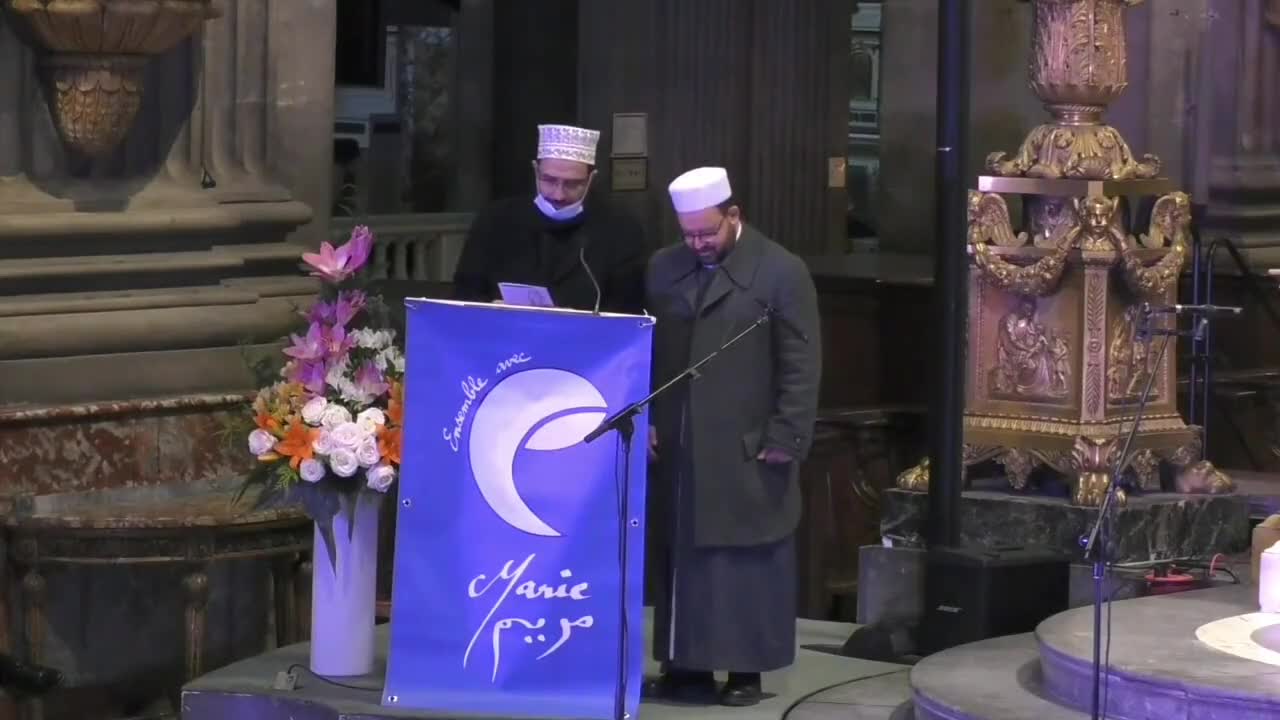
(773, 312)
(582, 258)
(1193, 309)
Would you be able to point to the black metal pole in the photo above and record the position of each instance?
(950, 269)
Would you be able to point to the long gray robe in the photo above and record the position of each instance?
(722, 554)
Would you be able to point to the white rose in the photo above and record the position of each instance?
(343, 462)
(335, 415)
(312, 470)
(380, 478)
(313, 411)
(369, 420)
(367, 453)
(323, 443)
(348, 435)
(261, 442)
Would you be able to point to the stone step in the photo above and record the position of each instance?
(997, 679)
(1157, 660)
(221, 257)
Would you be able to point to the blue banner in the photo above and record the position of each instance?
(508, 586)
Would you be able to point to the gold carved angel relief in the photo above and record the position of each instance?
(990, 226)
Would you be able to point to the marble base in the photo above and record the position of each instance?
(1149, 527)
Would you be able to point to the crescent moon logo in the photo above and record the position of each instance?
(539, 409)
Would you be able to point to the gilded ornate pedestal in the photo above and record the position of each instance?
(1056, 361)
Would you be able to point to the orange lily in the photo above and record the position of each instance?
(389, 440)
(296, 444)
(395, 405)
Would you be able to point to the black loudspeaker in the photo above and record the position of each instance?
(973, 594)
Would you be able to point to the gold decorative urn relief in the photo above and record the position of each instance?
(1057, 359)
(92, 58)
(1077, 68)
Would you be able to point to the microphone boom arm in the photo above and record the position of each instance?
(621, 420)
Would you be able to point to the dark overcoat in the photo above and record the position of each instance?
(762, 392)
(511, 241)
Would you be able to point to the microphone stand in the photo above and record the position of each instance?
(623, 422)
(1096, 542)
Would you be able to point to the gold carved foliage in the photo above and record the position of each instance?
(1078, 66)
(1091, 152)
(1092, 459)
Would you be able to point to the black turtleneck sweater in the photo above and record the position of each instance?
(511, 241)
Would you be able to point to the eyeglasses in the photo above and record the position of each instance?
(704, 234)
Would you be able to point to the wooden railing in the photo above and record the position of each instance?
(423, 248)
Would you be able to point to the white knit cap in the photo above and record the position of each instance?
(565, 142)
(700, 189)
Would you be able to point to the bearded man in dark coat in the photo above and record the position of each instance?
(726, 448)
(557, 239)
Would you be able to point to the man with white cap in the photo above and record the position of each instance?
(557, 239)
(726, 448)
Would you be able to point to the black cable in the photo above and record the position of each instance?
(335, 683)
(810, 695)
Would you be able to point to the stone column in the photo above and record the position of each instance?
(753, 85)
(235, 71)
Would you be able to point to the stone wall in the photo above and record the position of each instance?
(131, 288)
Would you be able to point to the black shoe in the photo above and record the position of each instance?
(27, 680)
(742, 690)
(683, 685)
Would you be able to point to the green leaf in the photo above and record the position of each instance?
(321, 504)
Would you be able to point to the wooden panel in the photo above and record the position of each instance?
(874, 336)
(749, 85)
(795, 92)
(536, 49)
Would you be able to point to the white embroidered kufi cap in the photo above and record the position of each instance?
(565, 142)
(700, 189)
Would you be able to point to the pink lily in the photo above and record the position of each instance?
(337, 264)
(310, 373)
(310, 347)
(359, 247)
(340, 311)
(370, 382)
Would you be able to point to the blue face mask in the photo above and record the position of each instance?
(568, 212)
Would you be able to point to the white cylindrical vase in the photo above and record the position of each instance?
(1269, 580)
(343, 591)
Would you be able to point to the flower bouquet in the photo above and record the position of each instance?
(327, 435)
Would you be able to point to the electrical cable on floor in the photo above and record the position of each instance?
(328, 682)
(812, 694)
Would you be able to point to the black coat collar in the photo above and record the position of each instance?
(737, 271)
